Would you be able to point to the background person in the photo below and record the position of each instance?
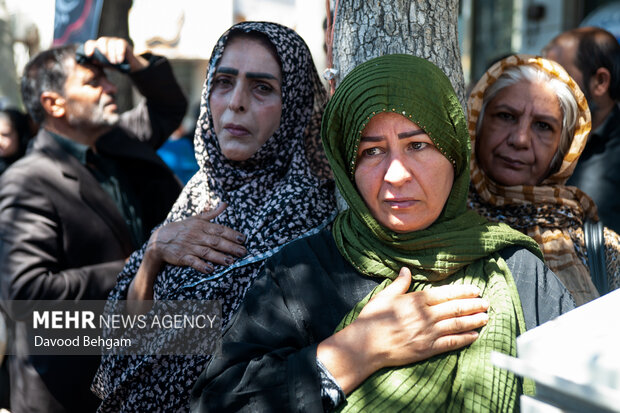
(591, 56)
(256, 144)
(529, 123)
(14, 136)
(178, 150)
(85, 197)
(385, 307)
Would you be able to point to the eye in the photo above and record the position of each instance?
(94, 82)
(222, 81)
(505, 116)
(370, 152)
(418, 146)
(544, 126)
(264, 88)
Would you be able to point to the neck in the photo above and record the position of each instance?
(602, 109)
(82, 134)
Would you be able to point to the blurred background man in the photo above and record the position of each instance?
(591, 56)
(85, 196)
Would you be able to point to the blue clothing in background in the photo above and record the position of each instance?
(178, 154)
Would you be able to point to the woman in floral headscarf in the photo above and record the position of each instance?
(260, 160)
(529, 123)
(385, 307)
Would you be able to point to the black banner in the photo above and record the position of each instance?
(76, 21)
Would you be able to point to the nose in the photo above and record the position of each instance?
(519, 137)
(237, 101)
(397, 173)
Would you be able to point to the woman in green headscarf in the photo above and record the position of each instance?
(401, 303)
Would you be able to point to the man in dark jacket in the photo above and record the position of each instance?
(591, 56)
(81, 201)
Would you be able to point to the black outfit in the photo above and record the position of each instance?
(8, 161)
(598, 170)
(268, 360)
(62, 236)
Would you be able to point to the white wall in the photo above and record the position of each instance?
(179, 29)
(530, 37)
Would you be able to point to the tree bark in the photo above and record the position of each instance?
(426, 28)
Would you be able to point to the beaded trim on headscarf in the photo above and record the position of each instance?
(458, 248)
(551, 196)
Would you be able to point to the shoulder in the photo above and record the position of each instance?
(543, 296)
(517, 257)
(35, 169)
(308, 250)
(612, 239)
(308, 273)
(612, 258)
(529, 270)
(306, 262)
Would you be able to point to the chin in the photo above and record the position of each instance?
(509, 179)
(236, 156)
(112, 120)
(405, 227)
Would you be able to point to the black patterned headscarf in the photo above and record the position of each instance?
(273, 198)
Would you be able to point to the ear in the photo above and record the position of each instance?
(599, 82)
(53, 103)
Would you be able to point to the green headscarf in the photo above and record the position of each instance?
(460, 247)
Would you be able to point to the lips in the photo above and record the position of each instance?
(109, 102)
(401, 203)
(512, 163)
(236, 130)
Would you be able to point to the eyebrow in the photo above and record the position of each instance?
(401, 135)
(249, 75)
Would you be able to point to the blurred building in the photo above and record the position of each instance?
(491, 29)
(185, 31)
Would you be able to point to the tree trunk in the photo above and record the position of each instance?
(426, 28)
(9, 90)
(114, 22)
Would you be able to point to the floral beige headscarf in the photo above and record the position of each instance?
(547, 211)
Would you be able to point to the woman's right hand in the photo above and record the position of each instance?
(194, 242)
(397, 328)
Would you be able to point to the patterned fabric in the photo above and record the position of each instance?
(459, 247)
(612, 253)
(273, 198)
(331, 394)
(546, 212)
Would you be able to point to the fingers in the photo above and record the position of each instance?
(463, 324)
(210, 214)
(438, 295)
(196, 263)
(399, 286)
(453, 342)
(219, 251)
(220, 230)
(114, 48)
(459, 308)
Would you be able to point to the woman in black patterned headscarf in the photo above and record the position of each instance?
(256, 190)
